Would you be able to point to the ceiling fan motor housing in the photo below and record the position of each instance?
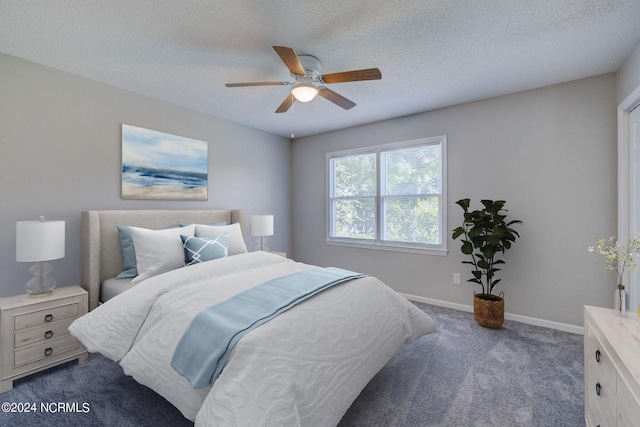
(312, 66)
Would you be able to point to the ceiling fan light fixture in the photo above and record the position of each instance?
(304, 92)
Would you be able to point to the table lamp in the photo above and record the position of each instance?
(40, 241)
(261, 225)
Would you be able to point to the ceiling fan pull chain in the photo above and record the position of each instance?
(293, 116)
(316, 114)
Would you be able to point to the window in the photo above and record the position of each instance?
(389, 197)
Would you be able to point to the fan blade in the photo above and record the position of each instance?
(336, 98)
(352, 76)
(290, 59)
(256, 84)
(286, 104)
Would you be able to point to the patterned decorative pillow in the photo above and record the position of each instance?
(203, 249)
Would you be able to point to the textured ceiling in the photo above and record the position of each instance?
(432, 53)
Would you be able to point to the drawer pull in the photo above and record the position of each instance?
(49, 352)
(48, 318)
(48, 334)
(598, 389)
(598, 356)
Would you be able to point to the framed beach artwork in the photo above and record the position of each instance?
(161, 166)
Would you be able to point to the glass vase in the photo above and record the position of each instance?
(620, 299)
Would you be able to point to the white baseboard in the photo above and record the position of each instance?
(508, 316)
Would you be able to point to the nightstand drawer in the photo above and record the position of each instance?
(45, 350)
(42, 317)
(43, 333)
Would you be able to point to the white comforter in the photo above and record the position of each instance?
(304, 367)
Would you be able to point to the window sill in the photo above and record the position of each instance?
(388, 247)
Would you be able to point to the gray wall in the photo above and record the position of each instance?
(60, 153)
(550, 153)
(629, 75)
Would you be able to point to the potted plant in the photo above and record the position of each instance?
(485, 233)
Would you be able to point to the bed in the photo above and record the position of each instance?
(303, 367)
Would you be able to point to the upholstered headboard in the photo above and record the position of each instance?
(101, 253)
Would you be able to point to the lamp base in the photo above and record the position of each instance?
(44, 294)
(41, 285)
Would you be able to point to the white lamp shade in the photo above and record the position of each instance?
(262, 225)
(39, 240)
(304, 92)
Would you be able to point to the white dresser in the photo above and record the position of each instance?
(611, 368)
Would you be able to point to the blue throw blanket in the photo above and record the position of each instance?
(204, 347)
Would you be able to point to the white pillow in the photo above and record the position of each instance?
(236, 241)
(158, 251)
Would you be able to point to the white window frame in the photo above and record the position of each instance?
(378, 243)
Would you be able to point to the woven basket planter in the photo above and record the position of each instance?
(488, 310)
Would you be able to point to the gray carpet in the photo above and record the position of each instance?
(463, 375)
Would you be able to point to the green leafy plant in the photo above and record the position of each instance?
(484, 234)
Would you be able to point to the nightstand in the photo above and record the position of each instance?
(34, 333)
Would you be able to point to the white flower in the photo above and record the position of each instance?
(618, 256)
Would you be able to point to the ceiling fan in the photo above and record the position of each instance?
(305, 69)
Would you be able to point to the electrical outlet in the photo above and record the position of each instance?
(456, 278)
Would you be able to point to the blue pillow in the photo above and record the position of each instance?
(202, 249)
(129, 268)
